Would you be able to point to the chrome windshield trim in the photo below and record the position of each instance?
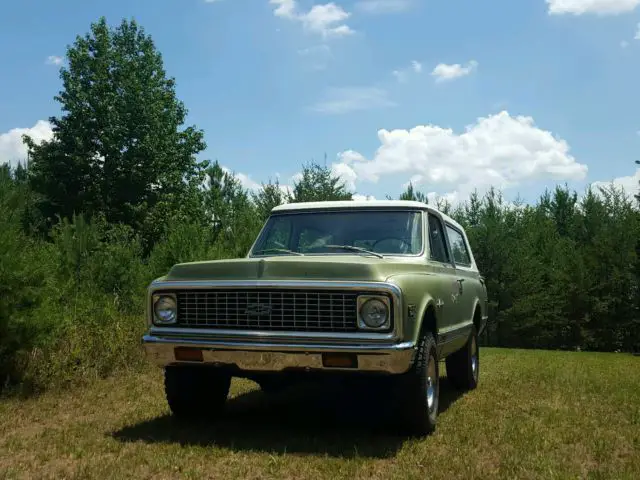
(382, 287)
(313, 211)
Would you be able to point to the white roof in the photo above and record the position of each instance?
(355, 204)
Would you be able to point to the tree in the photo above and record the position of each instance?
(637, 195)
(270, 195)
(226, 201)
(318, 183)
(411, 194)
(118, 148)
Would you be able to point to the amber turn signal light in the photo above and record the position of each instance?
(186, 354)
(340, 360)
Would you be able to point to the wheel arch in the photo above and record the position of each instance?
(479, 318)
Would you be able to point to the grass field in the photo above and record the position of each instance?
(535, 415)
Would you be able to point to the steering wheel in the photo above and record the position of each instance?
(403, 249)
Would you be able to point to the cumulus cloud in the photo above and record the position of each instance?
(443, 72)
(599, 7)
(327, 20)
(12, 148)
(254, 186)
(403, 74)
(349, 99)
(359, 197)
(498, 150)
(383, 6)
(630, 184)
(54, 60)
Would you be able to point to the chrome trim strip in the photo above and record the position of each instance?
(270, 335)
(386, 287)
(274, 357)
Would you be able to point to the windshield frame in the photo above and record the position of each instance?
(266, 228)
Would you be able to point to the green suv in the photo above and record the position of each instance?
(385, 289)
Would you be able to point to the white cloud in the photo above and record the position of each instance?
(12, 148)
(348, 99)
(254, 186)
(346, 174)
(360, 197)
(54, 60)
(624, 44)
(383, 6)
(443, 72)
(327, 20)
(599, 7)
(630, 184)
(499, 150)
(402, 74)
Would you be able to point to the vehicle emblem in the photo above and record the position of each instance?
(257, 309)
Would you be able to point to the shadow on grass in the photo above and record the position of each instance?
(319, 419)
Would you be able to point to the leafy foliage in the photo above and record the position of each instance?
(412, 194)
(317, 183)
(118, 146)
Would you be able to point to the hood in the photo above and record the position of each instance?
(330, 267)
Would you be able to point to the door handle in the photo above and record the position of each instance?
(460, 281)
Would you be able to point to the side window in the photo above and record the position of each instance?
(458, 247)
(437, 244)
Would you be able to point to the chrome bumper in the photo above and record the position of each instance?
(276, 357)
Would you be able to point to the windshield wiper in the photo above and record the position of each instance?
(280, 250)
(355, 249)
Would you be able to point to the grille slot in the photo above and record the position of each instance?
(260, 309)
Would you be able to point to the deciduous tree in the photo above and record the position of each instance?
(119, 148)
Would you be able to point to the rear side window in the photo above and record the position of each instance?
(458, 247)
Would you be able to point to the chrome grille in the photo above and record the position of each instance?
(283, 310)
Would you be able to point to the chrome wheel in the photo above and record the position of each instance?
(431, 383)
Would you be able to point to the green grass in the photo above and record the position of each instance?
(535, 414)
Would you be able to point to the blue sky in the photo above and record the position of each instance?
(521, 94)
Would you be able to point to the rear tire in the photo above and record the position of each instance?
(420, 390)
(463, 366)
(194, 392)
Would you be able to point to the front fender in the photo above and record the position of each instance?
(418, 296)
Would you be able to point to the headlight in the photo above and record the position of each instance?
(165, 309)
(373, 312)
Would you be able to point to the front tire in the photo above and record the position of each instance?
(420, 389)
(194, 392)
(463, 366)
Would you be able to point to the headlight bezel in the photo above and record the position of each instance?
(385, 300)
(156, 297)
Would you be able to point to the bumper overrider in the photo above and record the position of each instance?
(254, 350)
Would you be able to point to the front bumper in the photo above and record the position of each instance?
(247, 356)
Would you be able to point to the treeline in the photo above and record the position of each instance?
(118, 196)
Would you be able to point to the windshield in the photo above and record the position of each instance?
(337, 233)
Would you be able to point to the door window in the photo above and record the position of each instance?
(437, 244)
